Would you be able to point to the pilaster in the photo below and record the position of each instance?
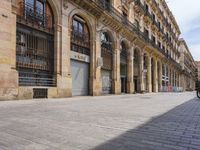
(130, 70)
(8, 74)
(96, 82)
(149, 82)
(160, 76)
(142, 72)
(116, 69)
(63, 71)
(155, 74)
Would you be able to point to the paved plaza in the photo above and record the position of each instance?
(162, 121)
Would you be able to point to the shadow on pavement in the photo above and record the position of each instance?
(178, 128)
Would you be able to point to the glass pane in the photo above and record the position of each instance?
(80, 27)
(29, 8)
(39, 7)
(30, 3)
(75, 25)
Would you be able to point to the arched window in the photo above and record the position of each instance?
(106, 50)
(35, 44)
(80, 38)
(123, 50)
(36, 12)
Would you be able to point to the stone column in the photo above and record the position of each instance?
(116, 69)
(149, 81)
(130, 85)
(155, 74)
(8, 73)
(142, 72)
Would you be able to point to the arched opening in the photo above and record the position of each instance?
(107, 55)
(145, 72)
(35, 43)
(163, 78)
(167, 76)
(152, 74)
(159, 76)
(80, 56)
(123, 66)
(137, 70)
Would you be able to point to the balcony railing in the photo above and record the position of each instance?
(34, 16)
(118, 16)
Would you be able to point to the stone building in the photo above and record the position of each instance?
(188, 75)
(63, 48)
(198, 69)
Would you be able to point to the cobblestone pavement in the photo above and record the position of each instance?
(163, 121)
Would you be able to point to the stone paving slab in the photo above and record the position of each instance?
(161, 121)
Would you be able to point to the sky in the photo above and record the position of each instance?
(187, 14)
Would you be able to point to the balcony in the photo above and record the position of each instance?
(110, 10)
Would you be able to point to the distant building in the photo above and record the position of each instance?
(188, 75)
(63, 48)
(198, 69)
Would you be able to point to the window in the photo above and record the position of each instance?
(34, 11)
(159, 25)
(153, 39)
(146, 33)
(30, 3)
(137, 24)
(106, 41)
(159, 44)
(125, 17)
(146, 7)
(154, 17)
(105, 4)
(80, 39)
(78, 26)
(106, 51)
(39, 8)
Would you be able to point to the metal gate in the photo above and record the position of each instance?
(80, 78)
(106, 81)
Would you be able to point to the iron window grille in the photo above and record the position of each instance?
(35, 57)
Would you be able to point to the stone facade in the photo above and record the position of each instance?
(148, 29)
(198, 69)
(188, 75)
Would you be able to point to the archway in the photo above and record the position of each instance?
(159, 69)
(145, 72)
(80, 56)
(137, 70)
(35, 44)
(152, 74)
(107, 47)
(123, 66)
